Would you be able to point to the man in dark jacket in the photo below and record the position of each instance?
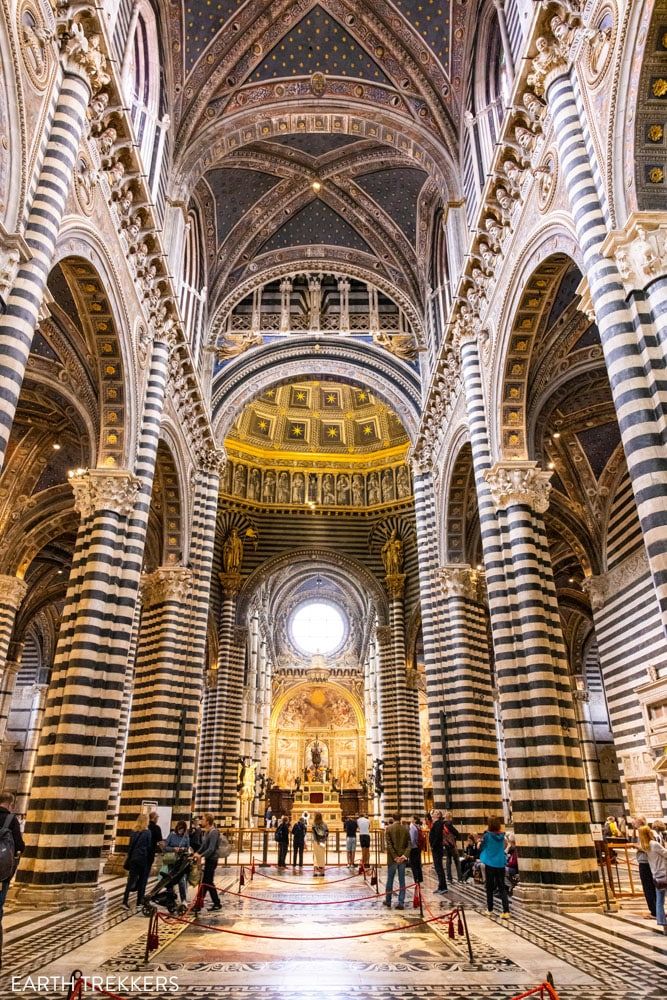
(397, 841)
(450, 839)
(6, 803)
(298, 842)
(282, 839)
(436, 840)
(156, 837)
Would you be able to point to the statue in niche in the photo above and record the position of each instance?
(373, 489)
(357, 490)
(227, 481)
(343, 489)
(232, 552)
(298, 488)
(283, 487)
(239, 481)
(392, 554)
(269, 491)
(313, 488)
(402, 482)
(387, 485)
(254, 485)
(328, 495)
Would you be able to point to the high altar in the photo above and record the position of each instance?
(318, 796)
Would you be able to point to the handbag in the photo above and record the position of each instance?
(660, 883)
(195, 874)
(169, 858)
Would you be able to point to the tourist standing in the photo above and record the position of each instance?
(178, 844)
(11, 847)
(493, 858)
(298, 842)
(364, 828)
(351, 827)
(137, 863)
(268, 818)
(657, 859)
(209, 853)
(416, 844)
(397, 842)
(436, 840)
(450, 837)
(320, 833)
(157, 840)
(282, 839)
(645, 873)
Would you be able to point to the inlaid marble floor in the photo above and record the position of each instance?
(591, 957)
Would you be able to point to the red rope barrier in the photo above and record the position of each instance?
(319, 902)
(544, 990)
(274, 937)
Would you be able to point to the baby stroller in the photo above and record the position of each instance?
(164, 893)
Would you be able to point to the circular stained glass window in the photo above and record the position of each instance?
(318, 627)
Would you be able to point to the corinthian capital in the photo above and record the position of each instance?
(167, 583)
(212, 460)
(513, 483)
(231, 583)
(83, 56)
(597, 588)
(12, 591)
(383, 634)
(639, 249)
(104, 489)
(458, 580)
(395, 584)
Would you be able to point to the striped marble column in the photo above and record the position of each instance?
(75, 759)
(472, 789)
(24, 782)
(410, 790)
(221, 743)
(82, 70)
(389, 720)
(160, 755)
(589, 752)
(633, 354)
(121, 740)
(12, 593)
(433, 625)
(544, 768)
(7, 685)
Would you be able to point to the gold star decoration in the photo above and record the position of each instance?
(262, 425)
(301, 396)
(297, 430)
(270, 393)
(331, 398)
(368, 429)
(362, 397)
(332, 432)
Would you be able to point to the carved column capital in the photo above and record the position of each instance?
(639, 249)
(10, 670)
(458, 580)
(104, 489)
(395, 584)
(12, 591)
(554, 48)
(82, 55)
(239, 636)
(231, 583)
(597, 588)
(212, 460)
(513, 483)
(166, 583)
(383, 634)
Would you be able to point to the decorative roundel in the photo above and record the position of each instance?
(600, 45)
(318, 627)
(547, 179)
(35, 42)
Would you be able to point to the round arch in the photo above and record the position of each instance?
(393, 381)
(339, 689)
(531, 290)
(88, 267)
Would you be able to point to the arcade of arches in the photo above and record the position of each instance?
(333, 463)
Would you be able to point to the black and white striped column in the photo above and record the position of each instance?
(544, 767)
(472, 781)
(160, 755)
(634, 358)
(82, 69)
(389, 720)
(410, 788)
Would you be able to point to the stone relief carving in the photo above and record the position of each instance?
(513, 483)
(97, 490)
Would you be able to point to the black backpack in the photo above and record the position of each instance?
(7, 849)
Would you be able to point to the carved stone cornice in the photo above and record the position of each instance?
(458, 580)
(604, 587)
(12, 591)
(639, 249)
(166, 583)
(395, 584)
(513, 483)
(104, 489)
(231, 583)
(555, 47)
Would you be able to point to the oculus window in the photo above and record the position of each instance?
(318, 627)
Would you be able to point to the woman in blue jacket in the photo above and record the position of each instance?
(492, 857)
(137, 862)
